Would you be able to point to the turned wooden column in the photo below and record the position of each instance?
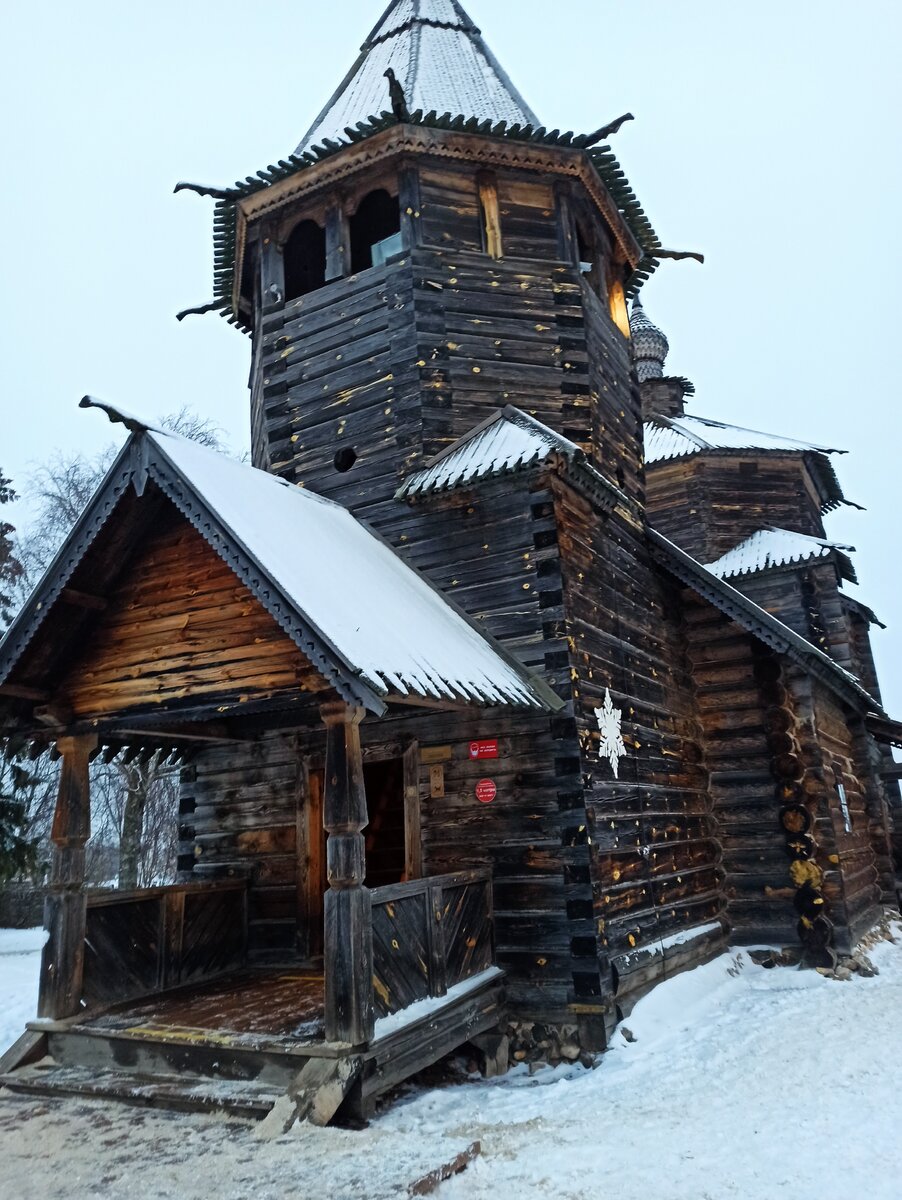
(348, 911)
(62, 962)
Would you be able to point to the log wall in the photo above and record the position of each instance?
(709, 503)
(654, 853)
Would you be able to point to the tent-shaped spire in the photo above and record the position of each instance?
(441, 62)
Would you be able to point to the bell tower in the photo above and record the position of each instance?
(429, 254)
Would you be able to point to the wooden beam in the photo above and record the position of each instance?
(82, 599)
(16, 691)
(62, 962)
(210, 732)
(348, 933)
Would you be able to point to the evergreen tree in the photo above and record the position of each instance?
(17, 852)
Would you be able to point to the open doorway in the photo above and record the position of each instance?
(392, 837)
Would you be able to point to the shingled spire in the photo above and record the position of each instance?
(441, 62)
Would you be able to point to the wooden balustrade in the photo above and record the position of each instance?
(141, 942)
(428, 936)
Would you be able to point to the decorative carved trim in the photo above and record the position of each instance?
(458, 147)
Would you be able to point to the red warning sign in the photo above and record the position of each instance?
(484, 749)
(486, 791)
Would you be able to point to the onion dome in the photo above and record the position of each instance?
(650, 346)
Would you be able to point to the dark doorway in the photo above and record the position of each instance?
(386, 850)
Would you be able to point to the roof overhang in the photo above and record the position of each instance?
(761, 624)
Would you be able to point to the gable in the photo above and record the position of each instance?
(180, 626)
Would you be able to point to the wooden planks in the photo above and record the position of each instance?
(159, 938)
(181, 626)
(429, 936)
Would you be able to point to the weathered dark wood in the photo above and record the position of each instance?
(348, 914)
(152, 939)
(62, 959)
(429, 936)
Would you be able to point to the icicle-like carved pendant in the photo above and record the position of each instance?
(612, 746)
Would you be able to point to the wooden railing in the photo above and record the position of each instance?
(141, 942)
(429, 935)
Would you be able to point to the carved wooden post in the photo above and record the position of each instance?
(348, 920)
(62, 963)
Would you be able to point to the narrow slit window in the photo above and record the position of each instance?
(375, 231)
(617, 302)
(490, 216)
(305, 260)
(843, 798)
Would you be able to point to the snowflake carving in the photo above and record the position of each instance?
(612, 746)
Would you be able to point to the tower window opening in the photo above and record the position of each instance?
(590, 259)
(305, 260)
(375, 231)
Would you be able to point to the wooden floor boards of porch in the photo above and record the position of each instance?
(273, 1004)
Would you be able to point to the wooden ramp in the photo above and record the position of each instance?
(250, 1045)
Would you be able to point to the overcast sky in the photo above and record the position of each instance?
(766, 136)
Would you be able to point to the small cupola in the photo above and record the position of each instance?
(650, 346)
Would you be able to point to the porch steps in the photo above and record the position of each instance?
(185, 1093)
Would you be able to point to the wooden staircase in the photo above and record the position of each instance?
(185, 1070)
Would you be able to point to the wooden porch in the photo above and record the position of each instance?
(172, 1013)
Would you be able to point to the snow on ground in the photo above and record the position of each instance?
(742, 1082)
(20, 958)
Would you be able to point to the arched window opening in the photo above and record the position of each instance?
(375, 231)
(305, 260)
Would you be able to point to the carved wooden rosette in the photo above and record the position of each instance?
(815, 929)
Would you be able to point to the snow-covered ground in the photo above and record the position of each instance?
(20, 958)
(742, 1082)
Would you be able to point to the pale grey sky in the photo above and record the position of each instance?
(766, 136)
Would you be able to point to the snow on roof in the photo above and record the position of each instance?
(388, 624)
(778, 548)
(441, 62)
(507, 441)
(674, 437)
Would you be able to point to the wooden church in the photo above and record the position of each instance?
(504, 688)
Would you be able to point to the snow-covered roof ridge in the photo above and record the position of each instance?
(508, 440)
(773, 547)
(672, 437)
(442, 63)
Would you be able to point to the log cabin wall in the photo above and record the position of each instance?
(734, 715)
(709, 503)
(239, 813)
(654, 853)
(844, 825)
(806, 598)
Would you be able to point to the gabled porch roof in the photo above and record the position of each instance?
(370, 625)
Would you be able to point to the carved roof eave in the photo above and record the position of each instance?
(478, 149)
